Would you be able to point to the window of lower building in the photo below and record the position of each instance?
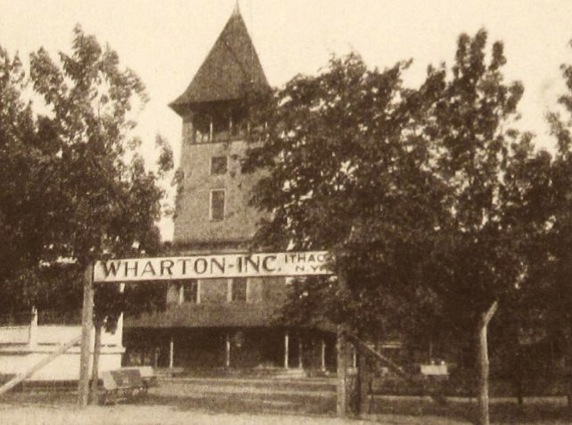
(238, 289)
(190, 290)
(217, 204)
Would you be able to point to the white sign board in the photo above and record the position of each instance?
(213, 266)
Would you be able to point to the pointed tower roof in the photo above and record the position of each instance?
(231, 68)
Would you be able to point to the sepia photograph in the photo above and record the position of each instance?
(280, 212)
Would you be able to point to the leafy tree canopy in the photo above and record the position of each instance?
(414, 189)
(74, 188)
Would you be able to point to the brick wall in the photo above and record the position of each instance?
(193, 223)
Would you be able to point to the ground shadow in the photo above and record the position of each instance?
(216, 402)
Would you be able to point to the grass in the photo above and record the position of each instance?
(537, 411)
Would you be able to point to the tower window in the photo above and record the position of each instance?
(217, 204)
(203, 128)
(218, 165)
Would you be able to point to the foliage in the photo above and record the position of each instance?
(477, 257)
(79, 191)
(417, 191)
(26, 157)
(348, 173)
(435, 207)
(549, 294)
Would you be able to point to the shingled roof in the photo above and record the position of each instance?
(231, 69)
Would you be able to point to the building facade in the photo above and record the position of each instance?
(221, 323)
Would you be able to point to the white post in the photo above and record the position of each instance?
(323, 355)
(171, 352)
(286, 350)
(33, 330)
(300, 353)
(354, 357)
(227, 357)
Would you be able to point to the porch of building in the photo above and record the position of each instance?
(254, 350)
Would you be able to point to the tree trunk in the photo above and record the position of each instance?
(342, 406)
(342, 385)
(483, 365)
(95, 367)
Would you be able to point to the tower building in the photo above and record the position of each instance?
(211, 210)
(221, 322)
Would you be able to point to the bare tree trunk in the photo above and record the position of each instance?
(342, 386)
(95, 366)
(483, 364)
(342, 406)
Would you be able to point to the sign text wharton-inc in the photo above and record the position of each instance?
(213, 266)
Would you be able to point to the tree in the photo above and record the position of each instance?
(27, 152)
(107, 200)
(549, 297)
(409, 187)
(538, 209)
(348, 172)
(480, 262)
(75, 188)
(108, 197)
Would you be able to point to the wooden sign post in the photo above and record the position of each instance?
(86, 326)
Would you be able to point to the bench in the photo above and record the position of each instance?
(169, 372)
(150, 378)
(122, 384)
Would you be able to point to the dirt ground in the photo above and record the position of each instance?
(192, 401)
(166, 415)
(203, 401)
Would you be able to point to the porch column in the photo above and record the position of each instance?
(33, 329)
(323, 355)
(155, 357)
(300, 353)
(286, 350)
(227, 349)
(171, 352)
(354, 357)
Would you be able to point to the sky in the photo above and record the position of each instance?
(166, 41)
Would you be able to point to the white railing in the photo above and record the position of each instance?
(14, 334)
